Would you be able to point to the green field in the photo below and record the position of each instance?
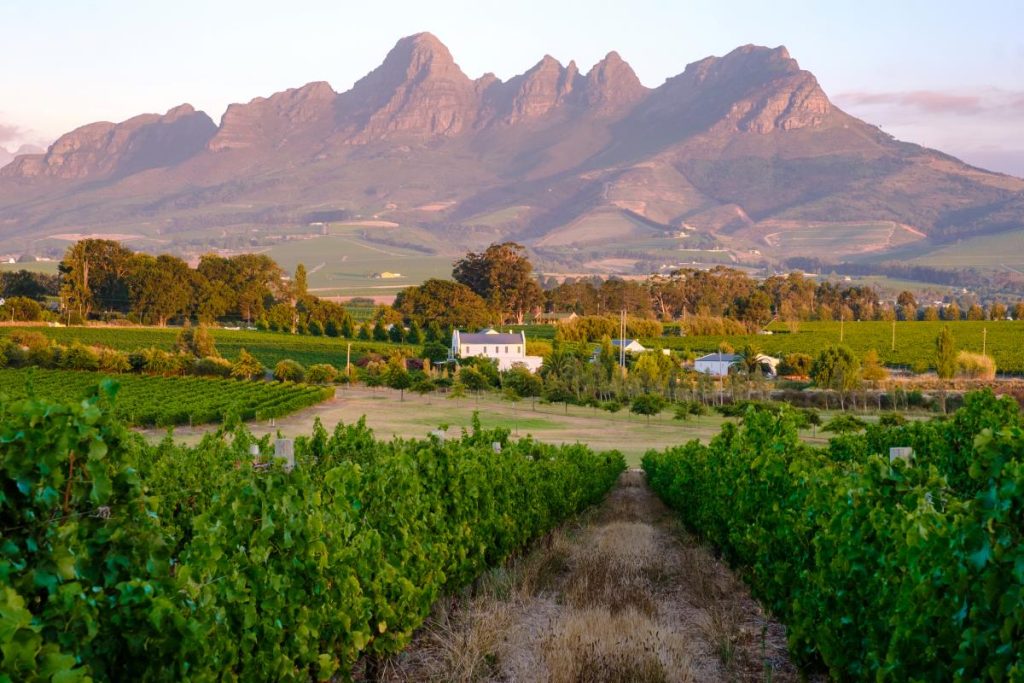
(831, 239)
(47, 267)
(148, 400)
(342, 263)
(1003, 250)
(915, 341)
(268, 347)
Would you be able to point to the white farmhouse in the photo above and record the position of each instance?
(508, 349)
(632, 345)
(716, 364)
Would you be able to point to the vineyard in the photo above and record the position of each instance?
(883, 569)
(148, 400)
(126, 561)
(267, 347)
(915, 341)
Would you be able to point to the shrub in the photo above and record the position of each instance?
(20, 308)
(289, 371)
(247, 366)
(321, 373)
(975, 365)
(212, 367)
(112, 360)
(78, 357)
(315, 328)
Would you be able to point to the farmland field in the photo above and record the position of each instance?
(915, 341)
(268, 347)
(342, 263)
(147, 400)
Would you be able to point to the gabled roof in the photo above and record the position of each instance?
(720, 357)
(489, 338)
(624, 342)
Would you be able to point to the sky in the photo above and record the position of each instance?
(946, 74)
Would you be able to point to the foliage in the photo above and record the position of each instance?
(196, 341)
(945, 354)
(975, 365)
(883, 571)
(502, 276)
(321, 373)
(247, 367)
(289, 371)
(446, 303)
(125, 561)
(647, 404)
(20, 308)
(843, 423)
(147, 400)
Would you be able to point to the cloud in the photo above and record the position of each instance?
(989, 101)
(9, 133)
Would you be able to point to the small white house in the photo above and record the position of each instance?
(632, 345)
(719, 364)
(508, 349)
(716, 364)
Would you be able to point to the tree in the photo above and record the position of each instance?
(502, 275)
(28, 284)
(647, 404)
(196, 341)
(1018, 311)
(841, 424)
(247, 366)
(20, 308)
(300, 286)
(471, 378)
(321, 373)
(945, 354)
(288, 370)
(414, 336)
(379, 333)
(442, 303)
(836, 368)
(798, 364)
(523, 382)
(93, 274)
(872, 367)
(396, 333)
(398, 376)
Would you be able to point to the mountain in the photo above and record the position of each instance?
(742, 155)
(7, 157)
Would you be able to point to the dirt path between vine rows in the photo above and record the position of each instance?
(622, 593)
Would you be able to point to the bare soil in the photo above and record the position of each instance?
(622, 593)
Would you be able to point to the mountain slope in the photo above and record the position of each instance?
(733, 148)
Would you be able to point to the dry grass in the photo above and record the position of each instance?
(616, 569)
(594, 645)
(621, 594)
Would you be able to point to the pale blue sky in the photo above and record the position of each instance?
(942, 73)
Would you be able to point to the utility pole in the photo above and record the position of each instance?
(984, 339)
(348, 363)
(622, 340)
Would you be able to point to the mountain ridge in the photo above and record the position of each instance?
(729, 143)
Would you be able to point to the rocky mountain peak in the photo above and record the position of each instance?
(105, 149)
(419, 91)
(269, 120)
(613, 82)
